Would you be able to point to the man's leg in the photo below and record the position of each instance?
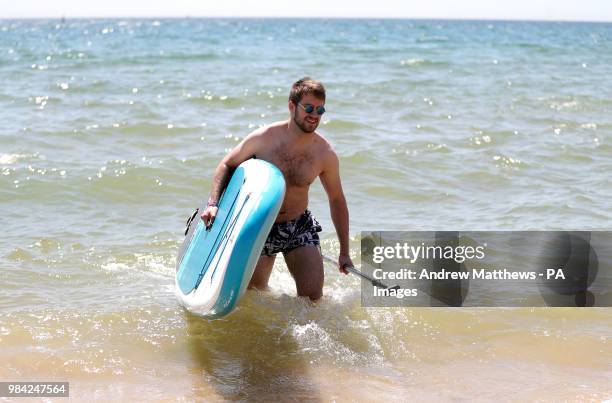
(262, 272)
(306, 266)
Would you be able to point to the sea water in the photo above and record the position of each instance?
(110, 133)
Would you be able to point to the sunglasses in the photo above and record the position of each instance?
(308, 108)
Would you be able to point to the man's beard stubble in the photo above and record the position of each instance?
(301, 125)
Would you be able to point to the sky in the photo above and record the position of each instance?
(564, 10)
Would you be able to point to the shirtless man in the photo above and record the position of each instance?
(302, 155)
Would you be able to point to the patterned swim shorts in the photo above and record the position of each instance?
(286, 236)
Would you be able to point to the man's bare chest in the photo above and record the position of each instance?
(300, 167)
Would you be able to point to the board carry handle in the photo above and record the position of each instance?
(190, 220)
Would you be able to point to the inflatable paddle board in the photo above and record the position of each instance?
(215, 265)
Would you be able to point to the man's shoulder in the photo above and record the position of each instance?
(272, 128)
(325, 151)
(267, 131)
(323, 145)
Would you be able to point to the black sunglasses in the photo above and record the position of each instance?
(308, 108)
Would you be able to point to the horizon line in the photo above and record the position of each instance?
(253, 17)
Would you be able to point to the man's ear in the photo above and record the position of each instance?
(291, 106)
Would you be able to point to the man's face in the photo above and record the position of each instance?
(307, 122)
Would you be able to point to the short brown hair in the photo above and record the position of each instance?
(305, 86)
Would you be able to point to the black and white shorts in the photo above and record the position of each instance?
(286, 236)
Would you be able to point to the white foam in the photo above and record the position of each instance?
(156, 264)
(411, 62)
(115, 267)
(8, 159)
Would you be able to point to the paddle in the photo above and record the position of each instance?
(353, 270)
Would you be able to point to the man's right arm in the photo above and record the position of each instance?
(242, 152)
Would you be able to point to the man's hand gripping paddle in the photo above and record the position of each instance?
(353, 270)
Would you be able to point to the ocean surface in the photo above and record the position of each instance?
(110, 133)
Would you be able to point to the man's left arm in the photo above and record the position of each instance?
(330, 178)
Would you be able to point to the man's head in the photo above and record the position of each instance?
(306, 103)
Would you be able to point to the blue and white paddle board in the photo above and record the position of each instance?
(215, 265)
